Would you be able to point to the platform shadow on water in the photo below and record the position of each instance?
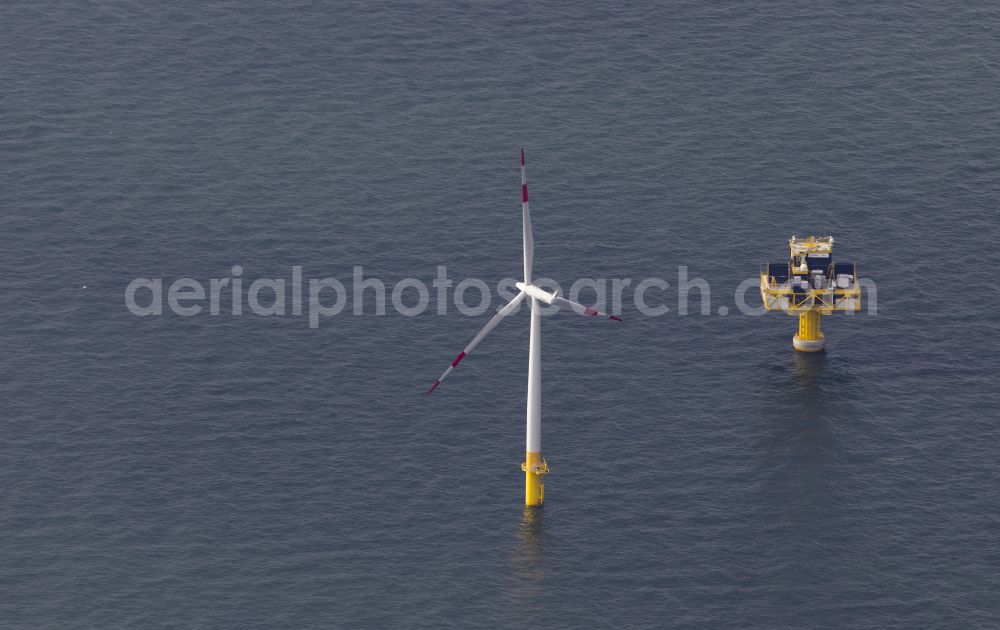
(799, 443)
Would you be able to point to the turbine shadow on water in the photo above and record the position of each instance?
(531, 534)
(525, 586)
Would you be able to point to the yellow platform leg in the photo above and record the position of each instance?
(810, 338)
(534, 468)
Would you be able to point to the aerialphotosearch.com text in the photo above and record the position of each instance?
(326, 297)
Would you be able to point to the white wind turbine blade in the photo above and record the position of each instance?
(487, 329)
(580, 309)
(529, 241)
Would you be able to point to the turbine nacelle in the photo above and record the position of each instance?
(537, 293)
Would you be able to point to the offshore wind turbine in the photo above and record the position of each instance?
(534, 465)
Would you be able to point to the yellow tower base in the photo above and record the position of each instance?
(534, 468)
(809, 339)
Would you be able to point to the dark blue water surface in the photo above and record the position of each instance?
(251, 472)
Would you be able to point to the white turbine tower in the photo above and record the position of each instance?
(534, 466)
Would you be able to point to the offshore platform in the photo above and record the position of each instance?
(810, 285)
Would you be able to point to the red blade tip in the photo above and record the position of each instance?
(433, 387)
(522, 157)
